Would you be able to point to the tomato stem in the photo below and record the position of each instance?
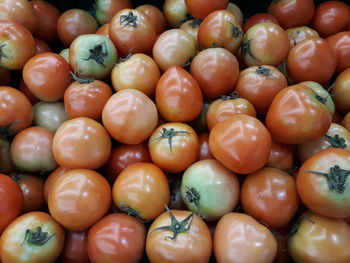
(246, 49)
(81, 80)
(131, 212)
(195, 23)
(2, 54)
(236, 32)
(192, 196)
(233, 95)
(336, 141)
(169, 134)
(98, 53)
(5, 131)
(261, 70)
(128, 20)
(37, 237)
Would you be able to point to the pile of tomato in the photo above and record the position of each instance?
(181, 134)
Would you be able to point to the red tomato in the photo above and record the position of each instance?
(241, 143)
(346, 121)
(340, 44)
(175, 12)
(204, 150)
(341, 91)
(103, 30)
(106, 9)
(11, 201)
(281, 156)
(259, 18)
(25, 90)
(75, 247)
(41, 46)
(51, 179)
(156, 17)
(298, 34)
(125, 236)
(201, 8)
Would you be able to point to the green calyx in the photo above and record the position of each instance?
(169, 134)
(37, 237)
(98, 53)
(336, 141)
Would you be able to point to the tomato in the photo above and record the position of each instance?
(141, 190)
(236, 11)
(92, 55)
(241, 143)
(123, 156)
(173, 146)
(331, 17)
(25, 90)
(239, 238)
(320, 239)
(16, 118)
(178, 95)
(51, 179)
(346, 121)
(259, 18)
(65, 54)
(11, 201)
(281, 156)
(322, 183)
(125, 236)
(31, 150)
(298, 34)
(175, 12)
(174, 47)
(292, 13)
(311, 59)
(73, 23)
(204, 150)
(191, 26)
(17, 44)
(156, 17)
(178, 236)
(34, 237)
(50, 115)
(77, 137)
(106, 9)
(297, 115)
(340, 44)
(199, 124)
(220, 29)
(137, 71)
(86, 98)
(79, 198)
(269, 190)
(103, 30)
(341, 91)
(224, 108)
(259, 85)
(132, 111)
(75, 247)
(6, 163)
(265, 44)
(132, 31)
(337, 136)
(209, 189)
(20, 11)
(47, 15)
(41, 46)
(216, 71)
(201, 8)
(32, 187)
(47, 76)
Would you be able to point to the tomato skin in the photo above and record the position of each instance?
(317, 232)
(156, 17)
(125, 235)
(51, 179)
(241, 143)
(75, 247)
(142, 187)
(17, 44)
(259, 18)
(346, 121)
(235, 231)
(47, 76)
(79, 198)
(204, 150)
(191, 26)
(281, 156)
(342, 86)
(175, 12)
(106, 9)
(195, 245)
(201, 8)
(16, 247)
(11, 200)
(340, 43)
(311, 60)
(41, 46)
(76, 137)
(269, 190)
(133, 111)
(298, 34)
(103, 30)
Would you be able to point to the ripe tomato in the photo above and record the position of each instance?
(75, 247)
(346, 121)
(331, 17)
(41, 46)
(25, 90)
(132, 111)
(34, 237)
(320, 239)
(17, 44)
(79, 198)
(220, 29)
(322, 183)
(269, 190)
(15, 117)
(47, 76)
(106, 9)
(137, 71)
(132, 31)
(174, 47)
(173, 146)
(281, 156)
(204, 151)
(73, 23)
(340, 44)
(241, 143)
(201, 8)
(11, 201)
(191, 26)
(178, 95)
(209, 189)
(265, 44)
(86, 98)
(51, 179)
(125, 236)
(298, 114)
(298, 34)
(259, 18)
(239, 238)
(123, 156)
(77, 137)
(141, 190)
(292, 13)
(259, 85)
(341, 91)
(6, 163)
(156, 16)
(103, 30)
(178, 236)
(216, 71)
(311, 59)
(50, 115)
(175, 12)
